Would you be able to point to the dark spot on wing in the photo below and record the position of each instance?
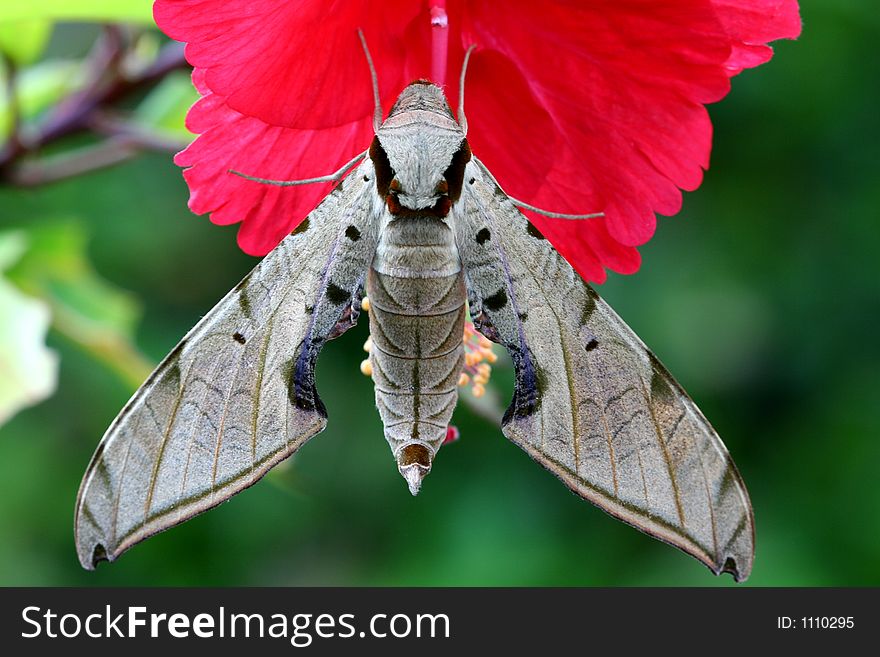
(727, 483)
(238, 337)
(497, 301)
(301, 228)
(534, 232)
(336, 295)
(298, 375)
(472, 181)
(287, 375)
(243, 299)
(589, 306)
(309, 309)
(245, 302)
(483, 236)
(353, 233)
(104, 474)
(592, 344)
(531, 384)
(661, 390)
(172, 377)
(523, 316)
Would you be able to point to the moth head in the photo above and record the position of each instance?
(419, 153)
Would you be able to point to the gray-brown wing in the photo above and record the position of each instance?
(592, 404)
(237, 395)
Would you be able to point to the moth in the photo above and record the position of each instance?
(424, 229)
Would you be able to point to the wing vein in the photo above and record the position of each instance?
(165, 435)
(658, 432)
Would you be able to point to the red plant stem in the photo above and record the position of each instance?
(439, 41)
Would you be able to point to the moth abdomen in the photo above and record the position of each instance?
(417, 314)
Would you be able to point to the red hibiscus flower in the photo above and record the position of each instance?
(575, 106)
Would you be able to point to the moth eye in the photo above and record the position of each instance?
(443, 187)
(395, 186)
(393, 204)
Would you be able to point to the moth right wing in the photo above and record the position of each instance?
(592, 404)
(237, 395)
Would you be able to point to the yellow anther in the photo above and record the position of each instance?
(481, 379)
(470, 359)
(367, 368)
(368, 344)
(464, 379)
(365, 304)
(484, 368)
(490, 355)
(478, 390)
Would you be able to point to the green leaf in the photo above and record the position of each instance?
(28, 370)
(23, 41)
(87, 310)
(165, 107)
(102, 11)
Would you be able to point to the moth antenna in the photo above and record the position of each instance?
(556, 215)
(377, 103)
(333, 177)
(462, 119)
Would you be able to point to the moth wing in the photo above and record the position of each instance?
(592, 404)
(237, 395)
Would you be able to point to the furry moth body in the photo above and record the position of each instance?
(423, 227)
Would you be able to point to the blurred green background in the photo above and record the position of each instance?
(762, 297)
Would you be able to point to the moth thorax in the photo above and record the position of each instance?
(414, 462)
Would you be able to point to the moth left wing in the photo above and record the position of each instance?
(592, 404)
(237, 395)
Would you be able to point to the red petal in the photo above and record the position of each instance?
(626, 104)
(623, 83)
(229, 140)
(753, 23)
(575, 106)
(293, 64)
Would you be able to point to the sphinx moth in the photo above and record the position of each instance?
(425, 229)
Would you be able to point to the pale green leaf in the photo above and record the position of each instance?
(23, 41)
(165, 107)
(28, 370)
(102, 11)
(86, 309)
